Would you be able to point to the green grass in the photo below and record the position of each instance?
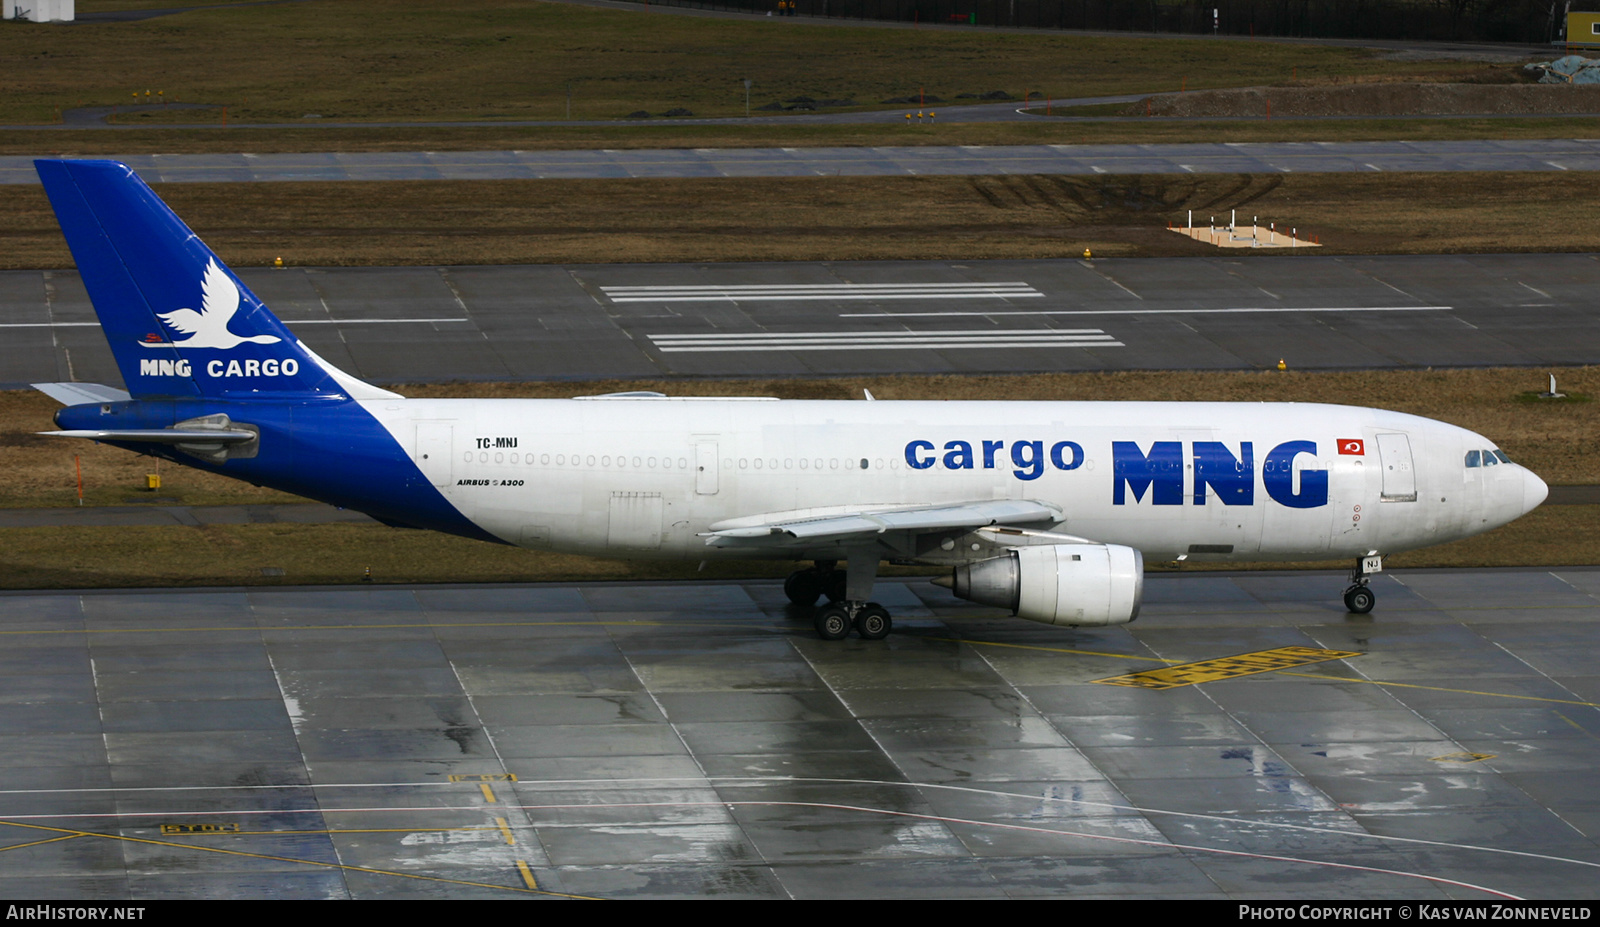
(516, 59)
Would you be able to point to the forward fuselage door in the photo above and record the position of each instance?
(434, 455)
(705, 467)
(1399, 473)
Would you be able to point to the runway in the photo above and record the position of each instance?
(697, 740)
(498, 323)
(1197, 158)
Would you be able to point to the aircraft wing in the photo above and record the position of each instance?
(835, 523)
(72, 394)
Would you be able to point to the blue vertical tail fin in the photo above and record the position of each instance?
(179, 322)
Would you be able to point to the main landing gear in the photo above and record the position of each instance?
(869, 620)
(846, 591)
(1358, 598)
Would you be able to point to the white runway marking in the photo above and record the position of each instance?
(957, 313)
(884, 341)
(819, 291)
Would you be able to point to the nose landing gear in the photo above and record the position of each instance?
(1358, 598)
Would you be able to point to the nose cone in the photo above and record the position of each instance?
(1534, 491)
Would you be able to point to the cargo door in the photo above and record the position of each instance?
(635, 522)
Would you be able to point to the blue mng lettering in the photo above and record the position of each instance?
(1233, 478)
(1162, 469)
(1277, 476)
(1216, 468)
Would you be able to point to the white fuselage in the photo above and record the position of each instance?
(647, 477)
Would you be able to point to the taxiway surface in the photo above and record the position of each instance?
(1193, 158)
(420, 324)
(692, 740)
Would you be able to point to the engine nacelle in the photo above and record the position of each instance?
(1065, 584)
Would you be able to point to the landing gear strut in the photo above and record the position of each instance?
(846, 590)
(1358, 598)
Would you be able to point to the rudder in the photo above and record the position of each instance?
(179, 323)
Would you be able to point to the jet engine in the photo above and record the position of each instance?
(1065, 584)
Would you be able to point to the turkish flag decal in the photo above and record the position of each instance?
(1352, 446)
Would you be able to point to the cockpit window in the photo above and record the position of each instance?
(1472, 459)
(1502, 455)
(1488, 459)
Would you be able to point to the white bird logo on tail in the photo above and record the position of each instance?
(208, 328)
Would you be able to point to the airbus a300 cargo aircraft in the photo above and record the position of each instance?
(1048, 509)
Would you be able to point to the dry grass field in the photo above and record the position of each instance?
(398, 60)
(839, 218)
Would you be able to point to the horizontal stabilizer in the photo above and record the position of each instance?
(160, 435)
(72, 394)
